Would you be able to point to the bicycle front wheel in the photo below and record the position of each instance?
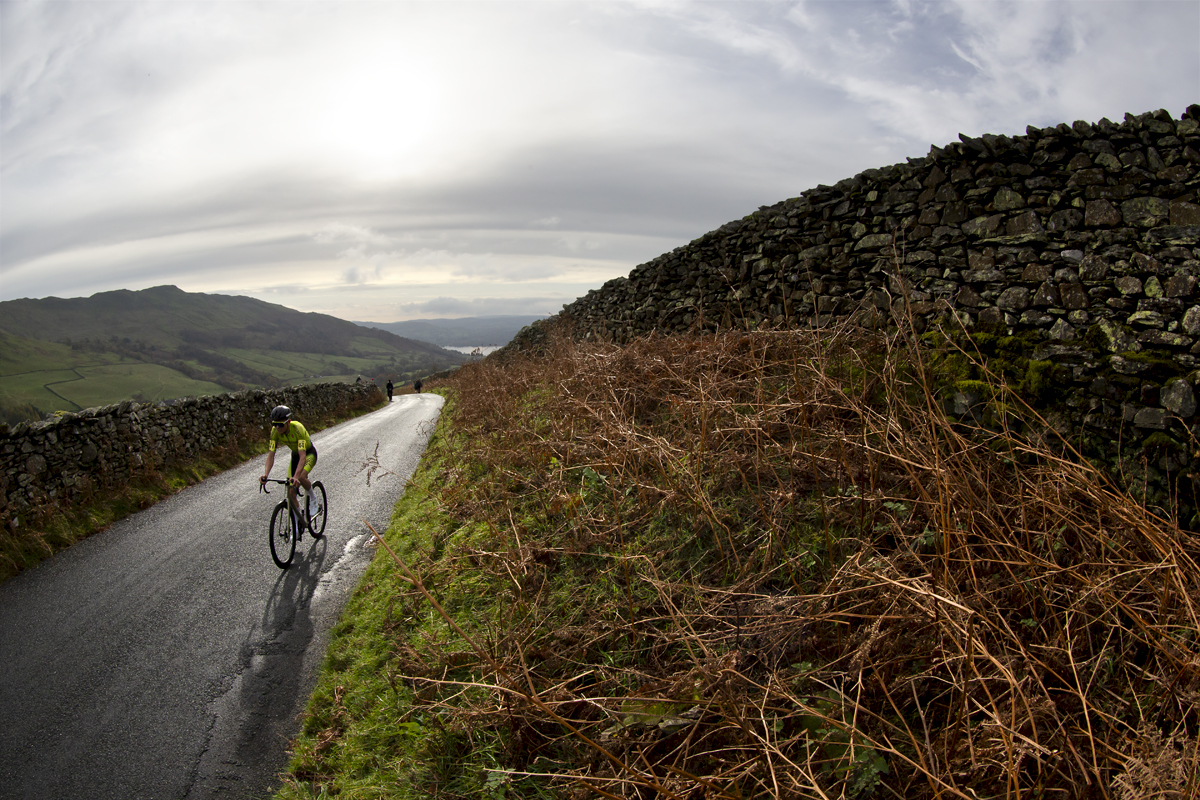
(283, 538)
(316, 522)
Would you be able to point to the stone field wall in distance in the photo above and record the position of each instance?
(63, 459)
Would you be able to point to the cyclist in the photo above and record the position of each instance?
(304, 455)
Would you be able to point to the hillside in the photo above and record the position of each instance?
(67, 354)
(493, 331)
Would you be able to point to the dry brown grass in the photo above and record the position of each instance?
(818, 585)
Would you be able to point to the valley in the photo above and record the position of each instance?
(163, 343)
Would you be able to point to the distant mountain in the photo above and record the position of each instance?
(64, 354)
(495, 331)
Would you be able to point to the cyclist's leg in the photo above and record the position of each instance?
(292, 490)
(310, 461)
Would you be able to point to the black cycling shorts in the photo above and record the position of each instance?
(310, 460)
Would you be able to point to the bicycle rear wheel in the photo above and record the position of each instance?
(283, 538)
(316, 522)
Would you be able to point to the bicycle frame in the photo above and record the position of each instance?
(285, 536)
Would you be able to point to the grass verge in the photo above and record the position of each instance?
(756, 565)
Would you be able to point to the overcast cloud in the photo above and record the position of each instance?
(392, 160)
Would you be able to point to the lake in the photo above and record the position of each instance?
(468, 350)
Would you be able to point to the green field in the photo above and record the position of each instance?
(287, 367)
(86, 369)
(19, 355)
(116, 382)
(201, 344)
(30, 387)
(99, 385)
(300, 367)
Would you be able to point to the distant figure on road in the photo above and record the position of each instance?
(389, 391)
(417, 386)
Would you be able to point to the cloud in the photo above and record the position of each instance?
(477, 307)
(359, 156)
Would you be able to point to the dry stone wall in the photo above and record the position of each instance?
(66, 458)
(1081, 240)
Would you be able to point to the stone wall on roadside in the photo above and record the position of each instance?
(64, 459)
(1083, 240)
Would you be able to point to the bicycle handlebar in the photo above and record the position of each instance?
(262, 484)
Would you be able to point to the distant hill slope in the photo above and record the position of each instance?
(167, 316)
(494, 331)
(65, 354)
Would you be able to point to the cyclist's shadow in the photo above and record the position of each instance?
(294, 588)
(258, 716)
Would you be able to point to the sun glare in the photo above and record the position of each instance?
(378, 120)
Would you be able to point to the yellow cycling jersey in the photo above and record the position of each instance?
(294, 436)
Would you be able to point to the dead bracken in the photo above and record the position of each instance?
(767, 564)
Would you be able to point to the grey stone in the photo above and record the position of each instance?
(1025, 223)
(1159, 338)
(1014, 298)
(968, 297)
(1184, 213)
(1128, 284)
(1114, 338)
(1093, 268)
(1046, 295)
(874, 241)
(982, 226)
(1062, 331)
(1101, 213)
(1127, 366)
(1180, 286)
(1152, 418)
(1146, 319)
(1145, 212)
(983, 276)
(1191, 320)
(1073, 296)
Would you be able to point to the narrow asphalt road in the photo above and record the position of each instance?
(168, 657)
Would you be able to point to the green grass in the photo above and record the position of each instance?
(285, 366)
(19, 355)
(100, 385)
(369, 733)
(116, 382)
(296, 367)
(30, 387)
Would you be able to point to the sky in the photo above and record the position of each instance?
(382, 161)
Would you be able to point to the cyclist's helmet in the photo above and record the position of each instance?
(281, 414)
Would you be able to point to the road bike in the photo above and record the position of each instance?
(287, 528)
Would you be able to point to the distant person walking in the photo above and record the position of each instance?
(389, 391)
(417, 386)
